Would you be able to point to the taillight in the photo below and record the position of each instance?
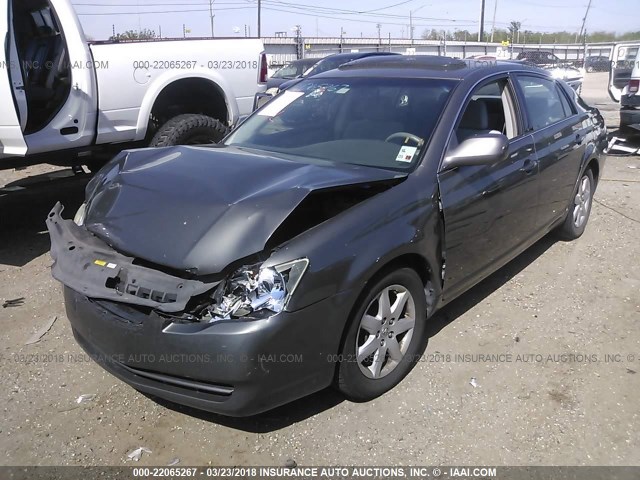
(264, 71)
(633, 86)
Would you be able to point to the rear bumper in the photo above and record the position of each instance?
(630, 117)
(235, 368)
(632, 101)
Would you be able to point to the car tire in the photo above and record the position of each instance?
(189, 129)
(357, 379)
(579, 208)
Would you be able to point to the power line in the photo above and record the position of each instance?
(158, 13)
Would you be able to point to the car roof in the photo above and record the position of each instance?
(357, 55)
(425, 66)
(304, 60)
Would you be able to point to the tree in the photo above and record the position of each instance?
(514, 28)
(432, 34)
(144, 34)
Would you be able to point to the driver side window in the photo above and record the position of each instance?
(491, 109)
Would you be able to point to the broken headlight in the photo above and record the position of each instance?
(254, 291)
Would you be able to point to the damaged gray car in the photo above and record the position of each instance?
(314, 244)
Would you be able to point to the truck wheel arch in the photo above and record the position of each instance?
(197, 92)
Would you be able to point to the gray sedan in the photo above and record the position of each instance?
(314, 245)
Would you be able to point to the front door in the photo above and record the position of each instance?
(489, 210)
(12, 142)
(58, 75)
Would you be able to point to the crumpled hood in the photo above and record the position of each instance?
(200, 209)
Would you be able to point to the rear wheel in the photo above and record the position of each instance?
(386, 336)
(579, 209)
(189, 129)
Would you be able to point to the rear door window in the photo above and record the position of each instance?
(543, 102)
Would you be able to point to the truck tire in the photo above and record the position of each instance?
(189, 129)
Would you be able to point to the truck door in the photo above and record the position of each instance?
(11, 139)
(623, 60)
(59, 75)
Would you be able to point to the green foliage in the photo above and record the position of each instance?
(514, 32)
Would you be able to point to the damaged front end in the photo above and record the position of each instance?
(89, 266)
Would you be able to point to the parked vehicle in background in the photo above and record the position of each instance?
(597, 63)
(324, 232)
(292, 70)
(67, 102)
(560, 69)
(324, 65)
(624, 85)
(333, 61)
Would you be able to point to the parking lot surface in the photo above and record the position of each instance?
(537, 365)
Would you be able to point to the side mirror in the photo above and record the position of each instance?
(479, 150)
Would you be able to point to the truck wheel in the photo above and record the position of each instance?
(189, 129)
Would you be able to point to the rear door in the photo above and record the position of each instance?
(623, 60)
(490, 210)
(11, 139)
(558, 134)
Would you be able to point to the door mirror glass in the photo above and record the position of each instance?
(479, 150)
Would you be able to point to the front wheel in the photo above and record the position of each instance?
(579, 209)
(385, 337)
(189, 129)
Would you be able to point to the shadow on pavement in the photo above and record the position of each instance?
(304, 408)
(24, 205)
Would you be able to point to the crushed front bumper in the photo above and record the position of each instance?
(88, 265)
(232, 367)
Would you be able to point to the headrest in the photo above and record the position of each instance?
(476, 116)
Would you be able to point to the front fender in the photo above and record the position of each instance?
(346, 251)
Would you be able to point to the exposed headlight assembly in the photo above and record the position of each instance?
(257, 292)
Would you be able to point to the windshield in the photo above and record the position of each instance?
(377, 122)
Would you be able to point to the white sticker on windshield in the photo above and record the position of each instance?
(343, 90)
(406, 154)
(275, 106)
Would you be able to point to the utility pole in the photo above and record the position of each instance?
(259, 19)
(342, 32)
(584, 20)
(411, 26)
(481, 31)
(211, 15)
(493, 22)
(379, 26)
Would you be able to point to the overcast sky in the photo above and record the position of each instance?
(356, 17)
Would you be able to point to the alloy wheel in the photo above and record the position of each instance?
(385, 331)
(582, 202)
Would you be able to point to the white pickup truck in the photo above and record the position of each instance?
(67, 102)
(624, 85)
